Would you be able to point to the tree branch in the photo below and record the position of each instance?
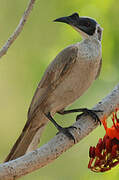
(59, 144)
(18, 30)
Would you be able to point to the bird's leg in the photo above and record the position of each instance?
(85, 111)
(61, 129)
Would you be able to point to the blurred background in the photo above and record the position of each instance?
(22, 68)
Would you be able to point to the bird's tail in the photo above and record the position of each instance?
(29, 138)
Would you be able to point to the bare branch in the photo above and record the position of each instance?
(59, 144)
(18, 30)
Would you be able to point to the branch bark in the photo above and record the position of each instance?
(60, 143)
(18, 30)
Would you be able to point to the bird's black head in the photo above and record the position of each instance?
(85, 24)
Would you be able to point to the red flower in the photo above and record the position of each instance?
(106, 153)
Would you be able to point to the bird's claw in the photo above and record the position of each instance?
(67, 132)
(91, 113)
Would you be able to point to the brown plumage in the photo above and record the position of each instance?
(68, 76)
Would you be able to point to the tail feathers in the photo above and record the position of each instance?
(36, 139)
(28, 140)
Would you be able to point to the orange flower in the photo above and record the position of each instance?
(106, 153)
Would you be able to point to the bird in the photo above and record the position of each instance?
(65, 80)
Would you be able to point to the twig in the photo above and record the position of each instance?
(18, 30)
(59, 144)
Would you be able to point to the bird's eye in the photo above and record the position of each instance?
(88, 24)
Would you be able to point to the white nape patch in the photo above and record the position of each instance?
(97, 35)
(99, 31)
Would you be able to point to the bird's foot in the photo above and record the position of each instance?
(67, 132)
(92, 113)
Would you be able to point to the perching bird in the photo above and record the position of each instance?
(68, 76)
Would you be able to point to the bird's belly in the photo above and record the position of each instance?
(73, 86)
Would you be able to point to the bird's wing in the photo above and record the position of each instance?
(99, 69)
(56, 72)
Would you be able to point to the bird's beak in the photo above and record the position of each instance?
(84, 25)
(75, 21)
(72, 20)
